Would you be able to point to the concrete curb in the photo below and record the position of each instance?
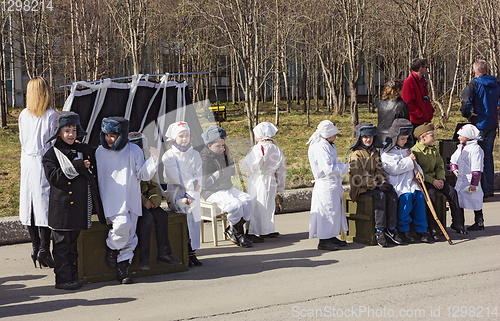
(289, 201)
(12, 231)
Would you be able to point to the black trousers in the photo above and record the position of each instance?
(39, 235)
(457, 213)
(386, 208)
(65, 255)
(144, 226)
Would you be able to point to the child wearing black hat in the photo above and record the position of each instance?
(399, 168)
(217, 168)
(367, 177)
(432, 164)
(121, 168)
(70, 169)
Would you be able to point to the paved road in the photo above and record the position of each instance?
(283, 279)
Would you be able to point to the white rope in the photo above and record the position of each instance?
(133, 89)
(181, 102)
(99, 101)
(163, 84)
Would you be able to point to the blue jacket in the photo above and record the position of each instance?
(481, 97)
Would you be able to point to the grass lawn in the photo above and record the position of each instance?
(292, 136)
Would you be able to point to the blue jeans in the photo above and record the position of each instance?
(486, 142)
(412, 203)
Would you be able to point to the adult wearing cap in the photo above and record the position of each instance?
(327, 217)
(217, 168)
(432, 165)
(267, 167)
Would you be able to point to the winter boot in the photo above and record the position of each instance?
(327, 245)
(111, 257)
(459, 228)
(408, 237)
(122, 272)
(434, 234)
(240, 234)
(478, 222)
(194, 259)
(338, 242)
(230, 232)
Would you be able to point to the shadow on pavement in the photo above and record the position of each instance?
(14, 293)
(257, 259)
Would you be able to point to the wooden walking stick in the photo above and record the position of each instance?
(422, 187)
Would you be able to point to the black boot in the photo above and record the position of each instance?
(327, 245)
(194, 259)
(254, 238)
(111, 257)
(434, 234)
(34, 253)
(45, 259)
(167, 259)
(240, 234)
(459, 228)
(408, 237)
(122, 273)
(478, 225)
(230, 232)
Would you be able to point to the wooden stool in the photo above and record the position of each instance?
(215, 213)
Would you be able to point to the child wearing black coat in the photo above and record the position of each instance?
(70, 169)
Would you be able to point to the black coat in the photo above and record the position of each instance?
(211, 163)
(388, 110)
(68, 200)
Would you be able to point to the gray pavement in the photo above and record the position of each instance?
(285, 278)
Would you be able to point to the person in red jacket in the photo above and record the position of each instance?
(416, 95)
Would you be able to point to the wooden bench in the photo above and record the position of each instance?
(361, 218)
(92, 249)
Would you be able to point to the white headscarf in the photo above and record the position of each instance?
(175, 128)
(265, 130)
(325, 129)
(470, 131)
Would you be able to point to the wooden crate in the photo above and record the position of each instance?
(361, 218)
(92, 249)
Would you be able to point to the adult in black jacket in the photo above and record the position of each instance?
(70, 169)
(391, 107)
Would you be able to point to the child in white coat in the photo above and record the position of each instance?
(467, 164)
(121, 169)
(182, 173)
(397, 161)
(327, 211)
(267, 167)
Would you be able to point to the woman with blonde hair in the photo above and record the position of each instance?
(391, 107)
(35, 127)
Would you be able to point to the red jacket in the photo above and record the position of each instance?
(420, 111)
